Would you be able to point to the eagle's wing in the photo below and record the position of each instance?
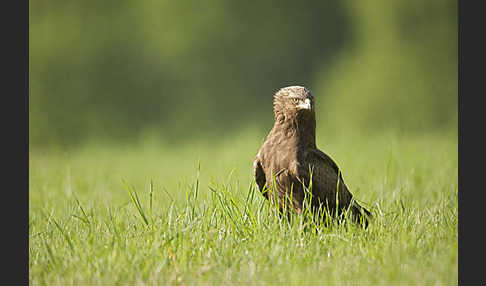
(259, 174)
(325, 174)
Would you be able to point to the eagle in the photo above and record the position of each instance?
(290, 170)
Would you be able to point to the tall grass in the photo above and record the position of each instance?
(181, 218)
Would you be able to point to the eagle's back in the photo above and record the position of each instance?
(327, 180)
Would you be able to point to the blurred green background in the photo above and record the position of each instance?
(120, 71)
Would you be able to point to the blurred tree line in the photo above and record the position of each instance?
(183, 69)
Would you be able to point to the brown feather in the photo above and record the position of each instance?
(289, 154)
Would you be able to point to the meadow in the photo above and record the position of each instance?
(151, 213)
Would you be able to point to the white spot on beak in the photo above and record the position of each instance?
(305, 105)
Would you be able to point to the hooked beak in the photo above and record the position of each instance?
(307, 104)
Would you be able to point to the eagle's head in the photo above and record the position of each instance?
(292, 102)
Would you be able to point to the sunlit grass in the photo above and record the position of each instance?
(191, 215)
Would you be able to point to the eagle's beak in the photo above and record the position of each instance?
(307, 104)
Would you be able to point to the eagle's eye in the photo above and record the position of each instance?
(295, 100)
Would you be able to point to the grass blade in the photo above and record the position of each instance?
(134, 197)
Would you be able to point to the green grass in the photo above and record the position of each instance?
(149, 214)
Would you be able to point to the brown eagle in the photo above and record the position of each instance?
(289, 167)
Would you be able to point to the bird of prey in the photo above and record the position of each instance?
(289, 168)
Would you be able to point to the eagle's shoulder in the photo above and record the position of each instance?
(273, 144)
(318, 159)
